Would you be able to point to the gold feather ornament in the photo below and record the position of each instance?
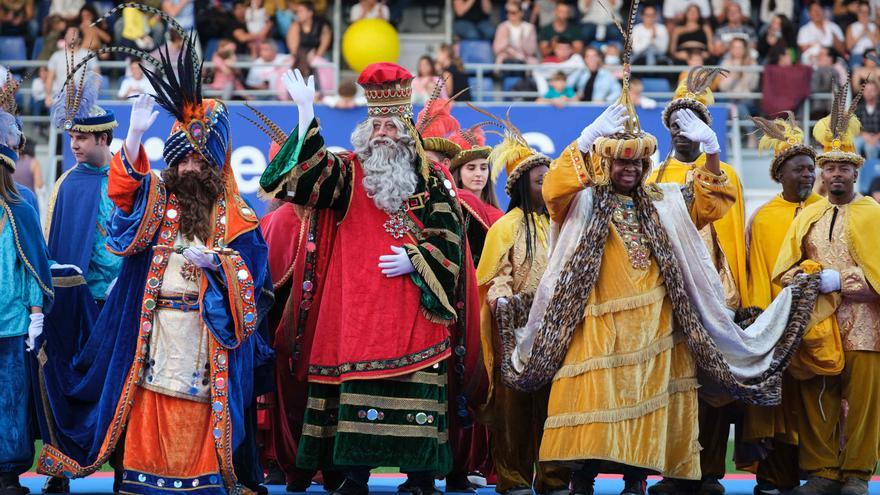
(785, 138)
(837, 131)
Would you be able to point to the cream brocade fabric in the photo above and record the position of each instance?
(179, 341)
(515, 275)
(858, 315)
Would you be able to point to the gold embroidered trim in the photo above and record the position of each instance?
(319, 431)
(655, 403)
(71, 281)
(444, 234)
(21, 255)
(438, 255)
(653, 349)
(427, 275)
(50, 209)
(627, 303)
(391, 402)
(421, 378)
(406, 431)
(441, 208)
(319, 404)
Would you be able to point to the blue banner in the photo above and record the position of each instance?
(546, 128)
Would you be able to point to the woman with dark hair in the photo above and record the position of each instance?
(93, 37)
(514, 259)
(454, 77)
(693, 33)
(778, 32)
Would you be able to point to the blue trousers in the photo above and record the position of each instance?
(16, 433)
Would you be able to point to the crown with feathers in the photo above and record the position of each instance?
(513, 154)
(785, 138)
(837, 131)
(11, 137)
(632, 143)
(75, 108)
(436, 124)
(694, 93)
(472, 142)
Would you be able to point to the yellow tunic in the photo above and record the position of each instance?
(627, 389)
(728, 231)
(766, 233)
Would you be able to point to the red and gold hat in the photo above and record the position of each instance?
(388, 90)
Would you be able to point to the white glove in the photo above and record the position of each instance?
(56, 266)
(35, 329)
(303, 94)
(197, 256)
(829, 281)
(397, 264)
(693, 128)
(142, 118)
(609, 122)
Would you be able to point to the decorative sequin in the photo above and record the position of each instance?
(372, 415)
(172, 214)
(626, 222)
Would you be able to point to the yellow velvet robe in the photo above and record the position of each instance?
(627, 388)
(729, 229)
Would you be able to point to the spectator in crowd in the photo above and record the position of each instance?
(636, 88)
(785, 84)
(516, 41)
(594, 83)
(28, 170)
(173, 44)
(66, 9)
(135, 83)
(691, 33)
(349, 96)
(564, 59)
(452, 70)
(137, 30)
(94, 37)
(874, 189)
(675, 11)
(183, 11)
(225, 77)
(650, 40)
(285, 17)
(868, 142)
(309, 40)
(772, 8)
(15, 16)
(862, 34)
(696, 57)
(38, 93)
(472, 19)
(596, 22)
(780, 31)
(369, 9)
(736, 27)
(53, 28)
(57, 66)
(845, 12)
(818, 33)
(869, 68)
(827, 73)
(559, 92)
(541, 12)
(738, 81)
(561, 26)
(268, 67)
(259, 25)
(719, 9)
(426, 80)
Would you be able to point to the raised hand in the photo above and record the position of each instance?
(693, 128)
(142, 118)
(610, 122)
(303, 94)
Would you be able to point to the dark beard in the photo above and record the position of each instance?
(196, 192)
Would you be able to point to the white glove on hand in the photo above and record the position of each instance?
(303, 94)
(829, 281)
(397, 264)
(696, 130)
(35, 329)
(609, 122)
(197, 256)
(142, 118)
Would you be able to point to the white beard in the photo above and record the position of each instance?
(389, 178)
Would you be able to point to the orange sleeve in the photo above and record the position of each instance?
(125, 178)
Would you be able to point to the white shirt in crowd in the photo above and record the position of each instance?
(863, 43)
(642, 39)
(672, 8)
(811, 34)
(594, 13)
(131, 86)
(263, 71)
(568, 67)
(379, 11)
(58, 65)
(255, 19)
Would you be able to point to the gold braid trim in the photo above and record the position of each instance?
(50, 209)
(390, 402)
(645, 354)
(442, 233)
(405, 431)
(322, 404)
(438, 255)
(655, 403)
(441, 208)
(66, 282)
(424, 270)
(319, 431)
(627, 303)
(421, 378)
(27, 263)
(95, 127)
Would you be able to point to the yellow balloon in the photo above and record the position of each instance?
(368, 41)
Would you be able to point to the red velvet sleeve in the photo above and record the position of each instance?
(125, 178)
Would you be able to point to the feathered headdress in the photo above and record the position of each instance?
(472, 143)
(694, 93)
(513, 154)
(11, 137)
(269, 128)
(75, 107)
(837, 132)
(436, 124)
(785, 138)
(633, 143)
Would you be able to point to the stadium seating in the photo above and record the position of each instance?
(13, 48)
